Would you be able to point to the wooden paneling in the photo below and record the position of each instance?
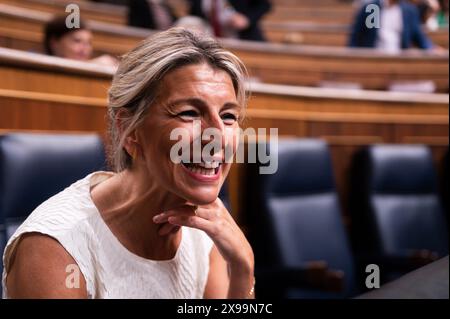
(282, 64)
(324, 35)
(39, 73)
(42, 111)
(90, 11)
(108, 38)
(316, 14)
(311, 66)
(279, 26)
(290, 98)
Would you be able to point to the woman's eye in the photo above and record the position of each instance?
(229, 118)
(188, 114)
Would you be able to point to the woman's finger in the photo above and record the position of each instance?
(167, 228)
(162, 218)
(193, 222)
(208, 213)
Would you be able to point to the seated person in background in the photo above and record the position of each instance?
(72, 43)
(150, 14)
(233, 18)
(428, 10)
(442, 15)
(155, 228)
(194, 24)
(400, 27)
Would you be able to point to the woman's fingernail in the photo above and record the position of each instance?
(158, 217)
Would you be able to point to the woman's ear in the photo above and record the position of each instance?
(131, 144)
(131, 141)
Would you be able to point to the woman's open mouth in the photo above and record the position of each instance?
(203, 171)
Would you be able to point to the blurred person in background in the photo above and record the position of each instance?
(195, 24)
(428, 10)
(442, 15)
(150, 14)
(72, 43)
(400, 27)
(233, 18)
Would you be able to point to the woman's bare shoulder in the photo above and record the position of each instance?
(40, 267)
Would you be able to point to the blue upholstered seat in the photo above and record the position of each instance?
(34, 167)
(397, 215)
(296, 219)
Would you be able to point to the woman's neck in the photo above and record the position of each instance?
(127, 203)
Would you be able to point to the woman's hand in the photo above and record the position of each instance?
(217, 223)
(238, 21)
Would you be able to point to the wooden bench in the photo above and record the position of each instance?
(325, 35)
(27, 26)
(312, 65)
(281, 31)
(89, 10)
(316, 14)
(311, 2)
(268, 62)
(40, 73)
(49, 93)
(118, 14)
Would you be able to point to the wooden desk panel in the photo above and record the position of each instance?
(89, 10)
(283, 64)
(324, 35)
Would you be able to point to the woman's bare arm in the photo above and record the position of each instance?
(218, 281)
(42, 268)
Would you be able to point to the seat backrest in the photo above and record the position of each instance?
(34, 167)
(301, 210)
(394, 188)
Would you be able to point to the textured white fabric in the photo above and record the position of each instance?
(110, 270)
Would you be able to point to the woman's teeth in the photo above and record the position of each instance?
(203, 168)
(209, 165)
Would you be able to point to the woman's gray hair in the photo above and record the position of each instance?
(135, 85)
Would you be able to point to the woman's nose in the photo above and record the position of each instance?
(214, 121)
(213, 129)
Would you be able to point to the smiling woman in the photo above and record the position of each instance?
(155, 228)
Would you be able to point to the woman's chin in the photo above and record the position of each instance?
(203, 197)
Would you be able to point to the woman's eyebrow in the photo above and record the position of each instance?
(231, 105)
(197, 102)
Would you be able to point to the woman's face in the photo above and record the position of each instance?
(76, 45)
(194, 93)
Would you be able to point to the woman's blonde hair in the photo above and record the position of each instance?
(135, 85)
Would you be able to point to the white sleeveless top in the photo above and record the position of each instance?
(110, 270)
